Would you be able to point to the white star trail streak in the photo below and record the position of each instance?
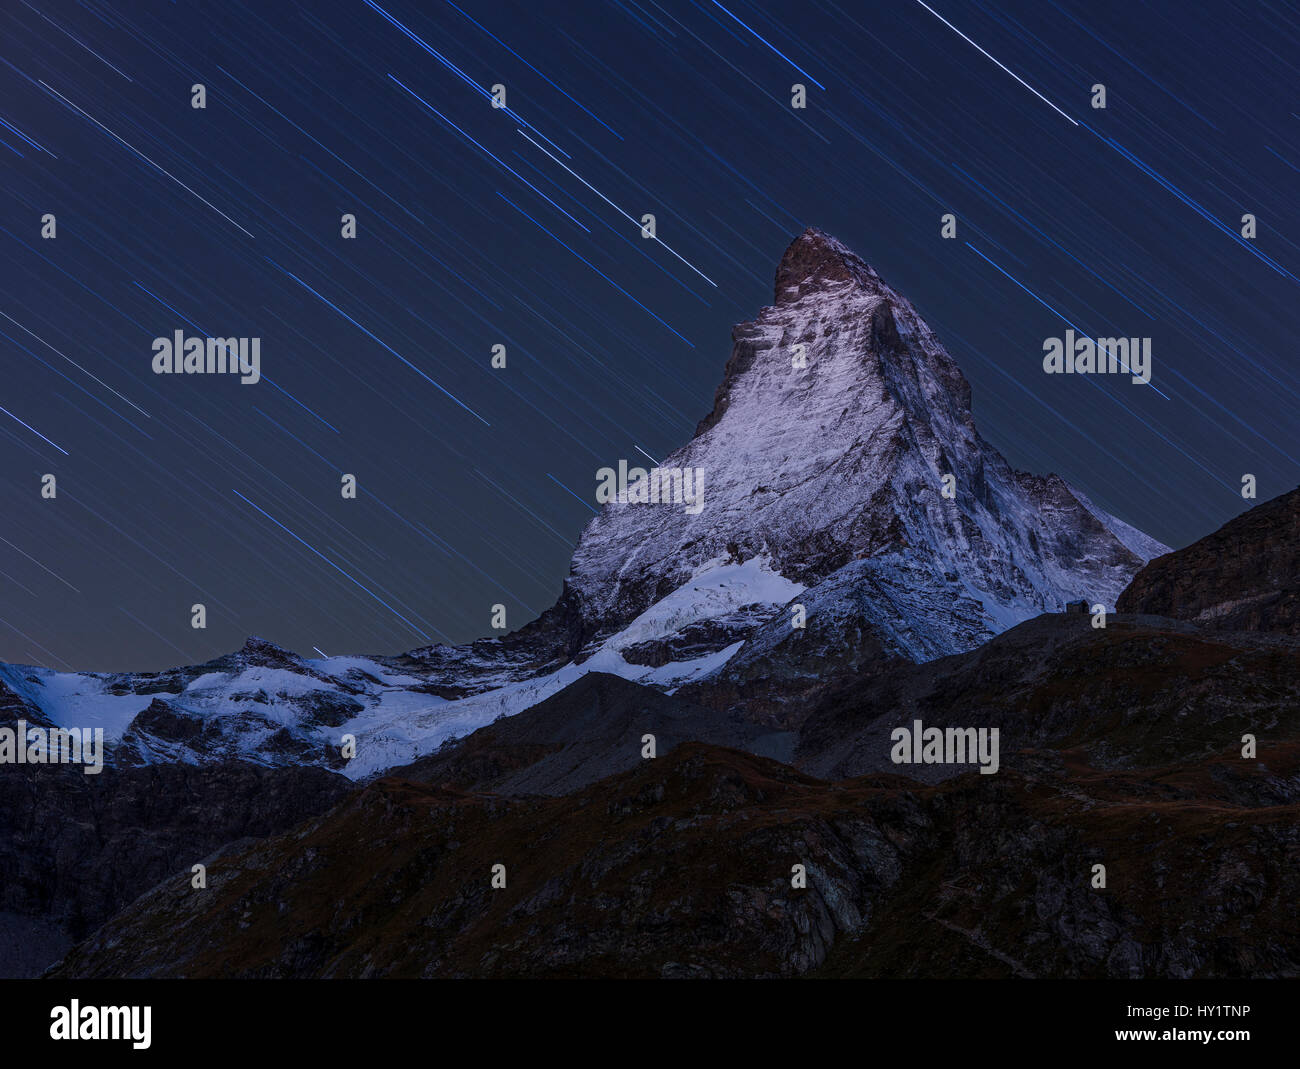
(997, 61)
(620, 211)
(145, 158)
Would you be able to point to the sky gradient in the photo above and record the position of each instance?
(479, 226)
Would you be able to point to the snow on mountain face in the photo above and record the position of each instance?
(263, 704)
(843, 460)
(821, 488)
(268, 706)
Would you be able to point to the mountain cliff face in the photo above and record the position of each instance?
(823, 462)
(1245, 576)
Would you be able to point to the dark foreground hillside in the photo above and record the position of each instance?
(683, 867)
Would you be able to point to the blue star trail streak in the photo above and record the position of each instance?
(326, 300)
(985, 53)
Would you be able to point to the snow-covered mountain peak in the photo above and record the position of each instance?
(839, 431)
(264, 652)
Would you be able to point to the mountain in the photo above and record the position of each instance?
(813, 468)
(823, 475)
(1144, 691)
(1162, 754)
(1245, 576)
(1121, 747)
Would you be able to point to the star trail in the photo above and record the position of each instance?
(516, 226)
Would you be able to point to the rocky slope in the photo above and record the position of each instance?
(1143, 691)
(593, 728)
(75, 849)
(1244, 577)
(683, 867)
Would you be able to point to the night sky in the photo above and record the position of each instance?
(475, 228)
